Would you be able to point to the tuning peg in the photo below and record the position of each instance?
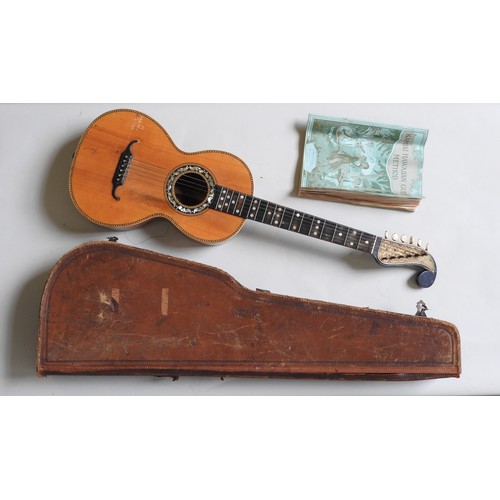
(395, 237)
(412, 240)
(419, 243)
(427, 247)
(403, 238)
(386, 235)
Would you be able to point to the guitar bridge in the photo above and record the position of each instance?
(121, 169)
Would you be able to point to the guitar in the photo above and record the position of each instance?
(126, 171)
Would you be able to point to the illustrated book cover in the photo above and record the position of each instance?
(363, 163)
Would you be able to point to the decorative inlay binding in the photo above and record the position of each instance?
(252, 208)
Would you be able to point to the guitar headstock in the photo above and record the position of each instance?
(397, 251)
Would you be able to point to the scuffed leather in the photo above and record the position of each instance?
(108, 308)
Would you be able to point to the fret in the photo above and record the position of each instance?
(306, 223)
(346, 237)
(278, 216)
(296, 221)
(239, 204)
(261, 217)
(286, 220)
(340, 234)
(366, 242)
(253, 208)
(328, 231)
(293, 223)
(225, 199)
(322, 229)
(300, 220)
(222, 203)
(269, 213)
(248, 207)
(217, 196)
(334, 233)
(261, 210)
(232, 202)
(275, 216)
(311, 225)
(316, 228)
(257, 209)
(247, 204)
(352, 239)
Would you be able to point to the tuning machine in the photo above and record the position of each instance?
(404, 239)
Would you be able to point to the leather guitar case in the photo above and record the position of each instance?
(111, 309)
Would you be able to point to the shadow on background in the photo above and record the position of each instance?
(301, 131)
(24, 328)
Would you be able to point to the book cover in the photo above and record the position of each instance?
(362, 157)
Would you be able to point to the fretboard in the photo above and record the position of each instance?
(252, 208)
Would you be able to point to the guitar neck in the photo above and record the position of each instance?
(252, 208)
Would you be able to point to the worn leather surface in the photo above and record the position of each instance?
(108, 308)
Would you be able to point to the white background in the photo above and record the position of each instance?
(456, 216)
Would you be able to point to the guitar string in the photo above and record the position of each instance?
(201, 185)
(146, 170)
(147, 182)
(337, 230)
(196, 185)
(200, 188)
(150, 166)
(147, 164)
(192, 183)
(146, 174)
(160, 172)
(144, 167)
(355, 236)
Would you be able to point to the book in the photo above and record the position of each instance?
(364, 163)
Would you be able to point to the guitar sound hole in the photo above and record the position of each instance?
(191, 189)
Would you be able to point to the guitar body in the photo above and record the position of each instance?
(126, 166)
